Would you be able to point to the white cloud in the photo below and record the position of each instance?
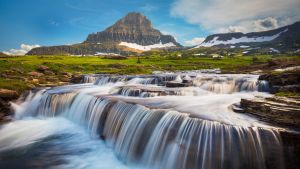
(24, 49)
(194, 41)
(216, 15)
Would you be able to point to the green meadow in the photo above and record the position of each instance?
(15, 71)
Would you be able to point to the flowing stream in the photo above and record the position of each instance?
(116, 122)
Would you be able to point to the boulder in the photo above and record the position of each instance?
(6, 94)
(37, 74)
(42, 68)
(178, 84)
(35, 81)
(76, 79)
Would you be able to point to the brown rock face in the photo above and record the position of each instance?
(283, 82)
(8, 94)
(278, 110)
(133, 28)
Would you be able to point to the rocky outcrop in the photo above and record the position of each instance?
(291, 148)
(3, 54)
(277, 110)
(5, 97)
(6, 94)
(283, 81)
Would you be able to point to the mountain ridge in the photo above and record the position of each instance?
(283, 37)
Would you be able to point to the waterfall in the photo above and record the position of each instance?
(164, 138)
(216, 83)
(230, 83)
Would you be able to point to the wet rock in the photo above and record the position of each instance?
(5, 97)
(187, 79)
(277, 110)
(286, 81)
(76, 79)
(237, 108)
(291, 148)
(6, 94)
(178, 84)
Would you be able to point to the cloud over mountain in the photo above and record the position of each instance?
(194, 41)
(241, 15)
(22, 51)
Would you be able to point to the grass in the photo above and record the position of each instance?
(17, 68)
(99, 64)
(13, 84)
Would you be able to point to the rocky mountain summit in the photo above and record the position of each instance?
(132, 33)
(133, 28)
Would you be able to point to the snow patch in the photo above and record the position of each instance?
(106, 54)
(148, 47)
(274, 50)
(243, 39)
(243, 46)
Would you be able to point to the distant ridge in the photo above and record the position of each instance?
(286, 37)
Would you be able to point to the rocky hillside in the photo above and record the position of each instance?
(283, 38)
(133, 33)
(3, 54)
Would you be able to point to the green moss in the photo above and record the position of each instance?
(287, 94)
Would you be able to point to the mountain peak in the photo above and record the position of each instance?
(132, 28)
(134, 22)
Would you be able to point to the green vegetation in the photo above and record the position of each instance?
(17, 72)
(287, 94)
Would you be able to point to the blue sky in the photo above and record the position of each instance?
(56, 22)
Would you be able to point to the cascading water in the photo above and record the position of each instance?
(194, 130)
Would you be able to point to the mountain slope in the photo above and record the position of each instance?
(285, 38)
(132, 33)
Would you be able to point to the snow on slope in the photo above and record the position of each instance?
(148, 47)
(243, 39)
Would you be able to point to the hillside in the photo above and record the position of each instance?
(283, 39)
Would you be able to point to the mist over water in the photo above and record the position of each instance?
(138, 122)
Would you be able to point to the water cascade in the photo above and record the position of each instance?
(161, 136)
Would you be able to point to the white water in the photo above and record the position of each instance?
(65, 141)
(145, 124)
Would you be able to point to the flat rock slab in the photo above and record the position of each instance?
(279, 110)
